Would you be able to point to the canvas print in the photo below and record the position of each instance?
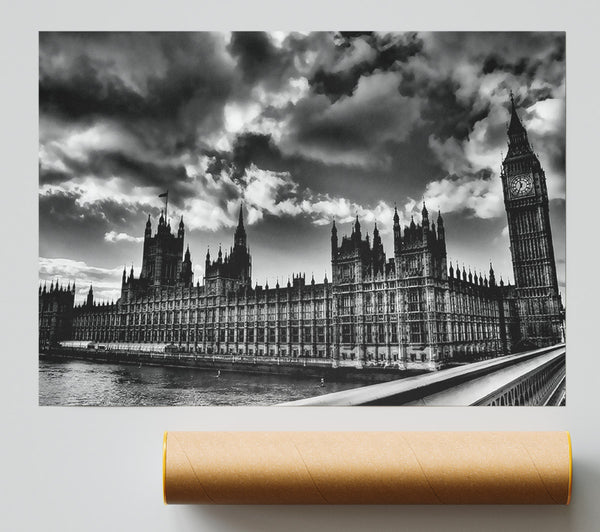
(325, 218)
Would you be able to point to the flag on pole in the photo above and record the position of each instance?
(164, 194)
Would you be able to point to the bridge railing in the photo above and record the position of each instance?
(530, 378)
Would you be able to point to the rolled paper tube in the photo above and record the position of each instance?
(367, 467)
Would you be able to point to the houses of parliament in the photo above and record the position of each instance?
(412, 309)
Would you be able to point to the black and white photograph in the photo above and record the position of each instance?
(291, 218)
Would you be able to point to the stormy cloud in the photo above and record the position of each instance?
(299, 128)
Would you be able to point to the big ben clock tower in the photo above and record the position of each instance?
(526, 202)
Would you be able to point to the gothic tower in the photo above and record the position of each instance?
(234, 270)
(526, 203)
(163, 254)
(421, 267)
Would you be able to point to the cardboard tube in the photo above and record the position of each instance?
(367, 467)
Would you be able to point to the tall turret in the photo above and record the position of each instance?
(90, 297)
(492, 276)
(441, 231)
(239, 238)
(148, 230)
(334, 239)
(397, 232)
(181, 230)
(378, 252)
(187, 275)
(425, 217)
(356, 231)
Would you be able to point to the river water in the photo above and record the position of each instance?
(74, 382)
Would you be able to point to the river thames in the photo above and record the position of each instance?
(82, 383)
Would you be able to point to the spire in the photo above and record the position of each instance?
(181, 230)
(515, 123)
(356, 236)
(241, 216)
(334, 240)
(451, 270)
(492, 276)
(90, 297)
(187, 254)
(148, 230)
(518, 142)
(397, 232)
(239, 238)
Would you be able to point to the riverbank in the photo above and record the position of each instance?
(320, 369)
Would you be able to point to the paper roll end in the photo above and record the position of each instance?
(164, 467)
(570, 467)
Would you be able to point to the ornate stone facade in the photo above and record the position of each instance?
(413, 310)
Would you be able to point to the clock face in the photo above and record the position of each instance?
(521, 185)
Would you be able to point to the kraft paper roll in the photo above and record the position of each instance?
(367, 467)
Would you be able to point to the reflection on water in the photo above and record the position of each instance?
(76, 382)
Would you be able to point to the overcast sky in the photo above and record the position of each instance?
(301, 127)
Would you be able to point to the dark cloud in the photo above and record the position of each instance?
(388, 52)
(107, 164)
(165, 87)
(62, 209)
(51, 176)
(259, 59)
(355, 130)
(248, 148)
(448, 116)
(254, 148)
